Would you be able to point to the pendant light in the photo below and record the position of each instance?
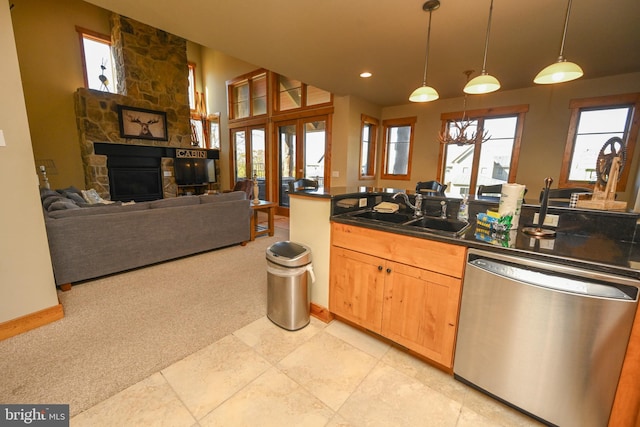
(426, 93)
(484, 83)
(560, 71)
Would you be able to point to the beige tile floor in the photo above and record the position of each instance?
(322, 375)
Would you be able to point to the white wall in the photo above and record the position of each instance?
(26, 277)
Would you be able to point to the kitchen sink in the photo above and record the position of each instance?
(446, 226)
(395, 218)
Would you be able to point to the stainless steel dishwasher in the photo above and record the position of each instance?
(545, 338)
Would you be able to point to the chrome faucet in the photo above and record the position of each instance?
(443, 213)
(417, 209)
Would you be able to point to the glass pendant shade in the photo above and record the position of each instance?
(559, 72)
(424, 94)
(484, 83)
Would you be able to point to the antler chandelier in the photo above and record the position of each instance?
(457, 130)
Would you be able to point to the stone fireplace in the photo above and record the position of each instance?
(153, 75)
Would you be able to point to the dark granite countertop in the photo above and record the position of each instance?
(599, 240)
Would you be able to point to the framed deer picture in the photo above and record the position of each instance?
(138, 123)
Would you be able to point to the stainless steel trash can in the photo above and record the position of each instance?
(287, 287)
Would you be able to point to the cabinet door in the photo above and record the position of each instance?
(356, 286)
(420, 311)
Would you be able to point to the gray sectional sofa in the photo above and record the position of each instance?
(88, 241)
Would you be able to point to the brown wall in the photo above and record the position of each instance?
(51, 71)
(544, 135)
(50, 104)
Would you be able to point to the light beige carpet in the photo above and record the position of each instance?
(120, 329)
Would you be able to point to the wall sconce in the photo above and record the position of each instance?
(426, 93)
(560, 71)
(484, 83)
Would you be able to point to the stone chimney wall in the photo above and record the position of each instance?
(152, 74)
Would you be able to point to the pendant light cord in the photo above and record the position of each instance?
(564, 33)
(486, 43)
(426, 59)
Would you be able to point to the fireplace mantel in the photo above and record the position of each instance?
(137, 172)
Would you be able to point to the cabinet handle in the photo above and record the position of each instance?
(388, 270)
(379, 268)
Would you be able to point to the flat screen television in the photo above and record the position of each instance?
(194, 171)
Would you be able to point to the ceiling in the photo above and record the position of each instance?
(328, 43)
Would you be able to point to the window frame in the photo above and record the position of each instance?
(304, 89)
(480, 115)
(247, 79)
(98, 37)
(374, 124)
(631, 100)
(248, 142)
(192, 90)
(386, 126)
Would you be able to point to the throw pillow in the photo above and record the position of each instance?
(47, 201)
(62, 204)
(70, 189)
(75, 197)
(45, 192)
(91, 196)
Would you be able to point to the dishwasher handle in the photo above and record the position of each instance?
(560, 283)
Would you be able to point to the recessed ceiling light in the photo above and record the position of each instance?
(365, 75)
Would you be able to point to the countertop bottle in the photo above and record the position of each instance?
(463, 211)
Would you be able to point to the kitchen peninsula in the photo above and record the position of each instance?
(593, 240)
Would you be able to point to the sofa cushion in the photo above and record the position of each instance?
(223, 197)
(99, 210)
(174, 202)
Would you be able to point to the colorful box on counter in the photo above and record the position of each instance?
(494, 222)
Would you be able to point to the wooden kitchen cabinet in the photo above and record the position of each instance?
(404, 288)
(420, 311)
(356, 286)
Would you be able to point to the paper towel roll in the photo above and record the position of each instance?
(511, 202)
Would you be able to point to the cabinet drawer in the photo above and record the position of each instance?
(440, 257)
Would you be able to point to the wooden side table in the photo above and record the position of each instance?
(264, 206)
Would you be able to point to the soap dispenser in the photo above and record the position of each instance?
(463, 211)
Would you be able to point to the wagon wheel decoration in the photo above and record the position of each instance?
(611, 149)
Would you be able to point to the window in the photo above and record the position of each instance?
(368, 135)
(249, 153)
(248, 95)
(398, 147)
(593, 122)
(192, 86)
(492, 162)
(293, 94)
(97, 60)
